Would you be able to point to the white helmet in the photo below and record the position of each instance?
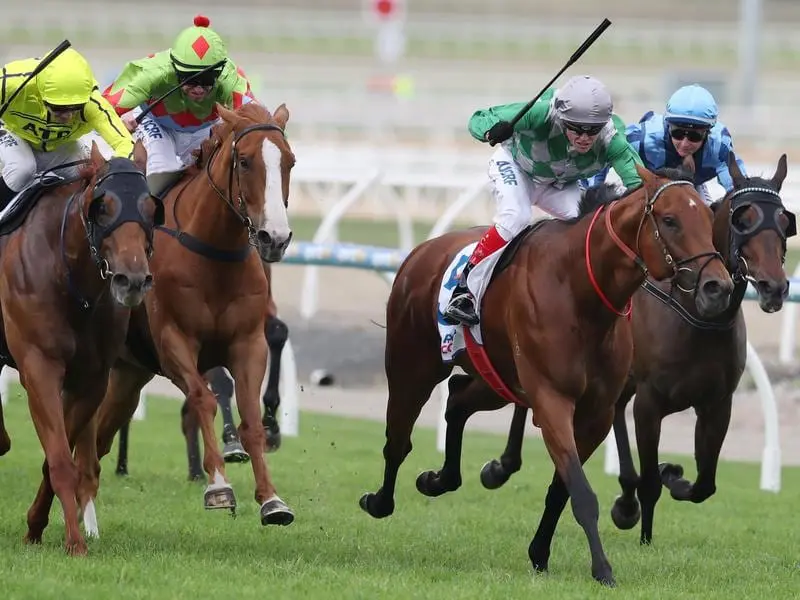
(584, 100)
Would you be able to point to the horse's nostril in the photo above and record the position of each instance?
(263, 237)
(712, 288)
(120, 280)
(148, 281)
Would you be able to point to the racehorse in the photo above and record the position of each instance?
(210, 305)
(683, 360)
(74, 260)
(551, 328)
(276, 334)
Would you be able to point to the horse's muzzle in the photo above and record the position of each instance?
(129, 289)
(271, 249)
(713, 296)
(771, 294)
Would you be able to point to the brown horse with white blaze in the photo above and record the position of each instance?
(209, 306)
(552, 329)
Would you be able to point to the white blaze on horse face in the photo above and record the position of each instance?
(275, 218)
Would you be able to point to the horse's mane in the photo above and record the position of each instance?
(601, 194)
(253, 111)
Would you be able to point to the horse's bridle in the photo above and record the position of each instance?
(677, 266)
(768, 203)
(233, 171)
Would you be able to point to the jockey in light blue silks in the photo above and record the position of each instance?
(688, 127)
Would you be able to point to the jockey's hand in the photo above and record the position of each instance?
(499, 133)
(129, 119)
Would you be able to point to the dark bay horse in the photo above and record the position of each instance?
(209, 307)
(277, 333)
(552, 329)
(683, 360)
(72, 271)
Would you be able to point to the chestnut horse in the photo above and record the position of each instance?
(210, 304)
(73, 269)
(277, 333)
(682, 360)
(552, 331)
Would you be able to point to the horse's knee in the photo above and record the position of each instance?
(63, 475)
(277, 333)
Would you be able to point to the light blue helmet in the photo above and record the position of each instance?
(692, 105)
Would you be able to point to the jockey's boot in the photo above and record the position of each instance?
(6, 194)
(462, 308)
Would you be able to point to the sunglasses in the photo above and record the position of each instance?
(693, 135)
(62, 110)
(207, 79)
(590, 129)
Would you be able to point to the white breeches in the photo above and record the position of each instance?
(515, 194)
(21, 162)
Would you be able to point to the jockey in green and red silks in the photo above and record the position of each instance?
(179, 123)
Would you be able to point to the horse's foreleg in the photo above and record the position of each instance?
(248, 361)
(496, 473)
(43, 379)
(466, 397)
(648, 415)
(555, 412)
(191, 434)
(625, 513)
(709, 434)
(570, 449)
(5, 440)
(179, 360)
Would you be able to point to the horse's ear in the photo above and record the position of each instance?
(648, 178)
(688, 163)
(96, 157)
(227, 115)
(140, 156)
(780, 173)
(281, 115)
(739, 180)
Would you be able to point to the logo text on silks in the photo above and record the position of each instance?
(506, 172)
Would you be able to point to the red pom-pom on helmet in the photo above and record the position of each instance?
(202, 21)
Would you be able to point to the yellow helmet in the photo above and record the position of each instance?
(67, 81)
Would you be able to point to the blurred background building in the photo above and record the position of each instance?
(377, 83)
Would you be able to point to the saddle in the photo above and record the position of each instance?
(14, 215)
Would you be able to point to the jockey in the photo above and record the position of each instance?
(570, 133)
(178, 124)
(45, 120)
(688, 128)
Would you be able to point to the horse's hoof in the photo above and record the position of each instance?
(122, 471)
(374, 507)
(31, 538)
(234, 452)
(77, 548)
(5, 444)
(625, 514)
(669, 473)
(493, 475)
(219, 495)
(275, 512)
(429, 483)
(273, 436)
(606, 579)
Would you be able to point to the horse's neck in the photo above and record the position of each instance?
(205, 215)
(616, 274)
(76, 257)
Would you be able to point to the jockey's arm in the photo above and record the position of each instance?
(234, 88)
(723, 173)
(101, 117)
(622, 156)
(533, 120)
(132, 87)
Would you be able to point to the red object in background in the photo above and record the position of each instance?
(384, 8)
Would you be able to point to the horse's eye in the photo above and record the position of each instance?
(670, 221)
(243, 162)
